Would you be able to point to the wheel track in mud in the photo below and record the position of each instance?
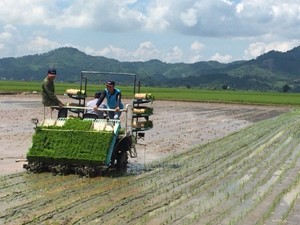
(225, 181)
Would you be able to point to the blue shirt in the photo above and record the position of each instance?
(113, 100)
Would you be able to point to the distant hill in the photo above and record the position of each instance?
(268, 72)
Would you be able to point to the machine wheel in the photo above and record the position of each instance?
(120, 156)
(35, 167)
(122, 160)
(86, 171)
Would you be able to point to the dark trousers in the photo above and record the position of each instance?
(62, 113)
(114, 115)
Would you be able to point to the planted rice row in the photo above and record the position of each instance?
(227, 181)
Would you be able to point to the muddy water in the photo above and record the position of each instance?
(221, 182)
(178, 126)
(240, 184)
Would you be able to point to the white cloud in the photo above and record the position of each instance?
(195, 58)
(258, 48)
(197, 46)
(173, 14)
(239, 8)
(228, 2)
(189, 17)
(206, 17)
(276, 17)
(254, 50)
(8, 33)
(214, 18)
(269, 24)
(40, 45)
(102, 15)
(9, 40)
(156, 16)
(221, 58)
(175, 55)
(109, 51)
(144, 52)
(25, 12)
(12, 43)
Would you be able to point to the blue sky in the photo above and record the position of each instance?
(139, 30)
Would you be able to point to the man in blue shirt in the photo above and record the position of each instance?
(113, 98)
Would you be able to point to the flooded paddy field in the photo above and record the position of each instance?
(201, 164)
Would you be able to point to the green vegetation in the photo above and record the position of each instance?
(268, 72)
(31, 86)
(180, 94)
(71, 143)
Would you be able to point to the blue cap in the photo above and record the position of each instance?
(52, 71)
(110, 83)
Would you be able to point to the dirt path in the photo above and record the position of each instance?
(248, 177)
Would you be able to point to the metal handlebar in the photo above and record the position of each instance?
(83, 107)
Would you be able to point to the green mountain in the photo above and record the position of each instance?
(268, 72)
